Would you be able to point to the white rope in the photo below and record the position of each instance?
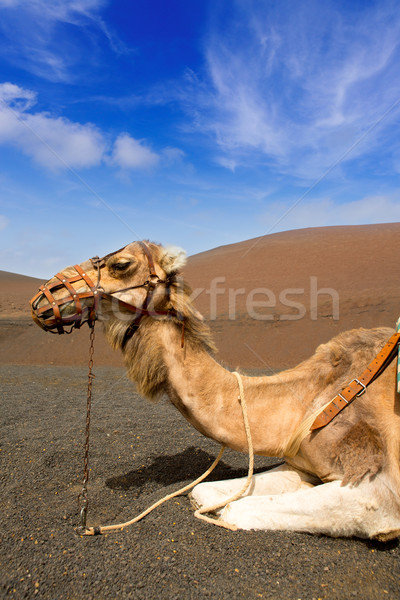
(198, 513)
(209, 509)
(120, 526)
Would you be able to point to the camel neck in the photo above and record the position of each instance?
(207, 396)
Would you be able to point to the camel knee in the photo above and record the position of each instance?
(214, 492)
(279, 480)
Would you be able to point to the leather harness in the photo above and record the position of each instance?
(357, 387)
(56, 323)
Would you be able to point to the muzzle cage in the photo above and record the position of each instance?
(49, 317)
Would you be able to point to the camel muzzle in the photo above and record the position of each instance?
(58, 305)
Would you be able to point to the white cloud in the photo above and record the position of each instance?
(56, 9)
(53, 142)
(129, 153)
(16, 96)
(56, 142)
(229, 163)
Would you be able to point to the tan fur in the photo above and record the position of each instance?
(359, 453)
(361, 443)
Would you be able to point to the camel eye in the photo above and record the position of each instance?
(122, 266)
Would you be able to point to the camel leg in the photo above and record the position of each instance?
(368, 510)
(279, 480)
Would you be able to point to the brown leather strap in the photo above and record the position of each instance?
(55, 307)
(147, 252)
(89, 314)
(358, 386)
(85, 277)
(67, 283)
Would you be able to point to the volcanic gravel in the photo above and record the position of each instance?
(139, 452)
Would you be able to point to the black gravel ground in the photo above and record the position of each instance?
(139, 452)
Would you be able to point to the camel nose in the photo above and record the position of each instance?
(39, 301)
(37, 320)
(59, 305)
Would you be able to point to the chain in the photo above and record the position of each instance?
(83, 496)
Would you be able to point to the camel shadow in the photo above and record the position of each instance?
(381, 546)
(175, 468)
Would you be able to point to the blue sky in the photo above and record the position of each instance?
(192, 122)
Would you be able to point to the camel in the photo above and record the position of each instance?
(344, 480)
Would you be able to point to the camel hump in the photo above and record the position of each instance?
(347, 355)
(354, 346)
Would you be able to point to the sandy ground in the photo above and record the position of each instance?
(139, 452)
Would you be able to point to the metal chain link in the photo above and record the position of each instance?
(83, 496)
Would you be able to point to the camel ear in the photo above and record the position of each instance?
(172, 259)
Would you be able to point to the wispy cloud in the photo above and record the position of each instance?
(294, 88)
(37, 35)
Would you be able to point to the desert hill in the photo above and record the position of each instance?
(13, 289)
(317, 283)
(269, 301)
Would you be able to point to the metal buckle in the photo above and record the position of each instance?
(343, 398)
(362, 385)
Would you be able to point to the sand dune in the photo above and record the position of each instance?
(357, 266)
(270, 301)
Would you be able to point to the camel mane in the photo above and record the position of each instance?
(143, 353)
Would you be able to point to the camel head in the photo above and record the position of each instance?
(141, 279)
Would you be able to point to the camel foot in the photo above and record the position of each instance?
(387, 536)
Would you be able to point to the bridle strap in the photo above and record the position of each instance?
(357, 387)
(135, 309)
(85, 278)
(149, 257)
(150, 283)
(72, 291)
(89, 314)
